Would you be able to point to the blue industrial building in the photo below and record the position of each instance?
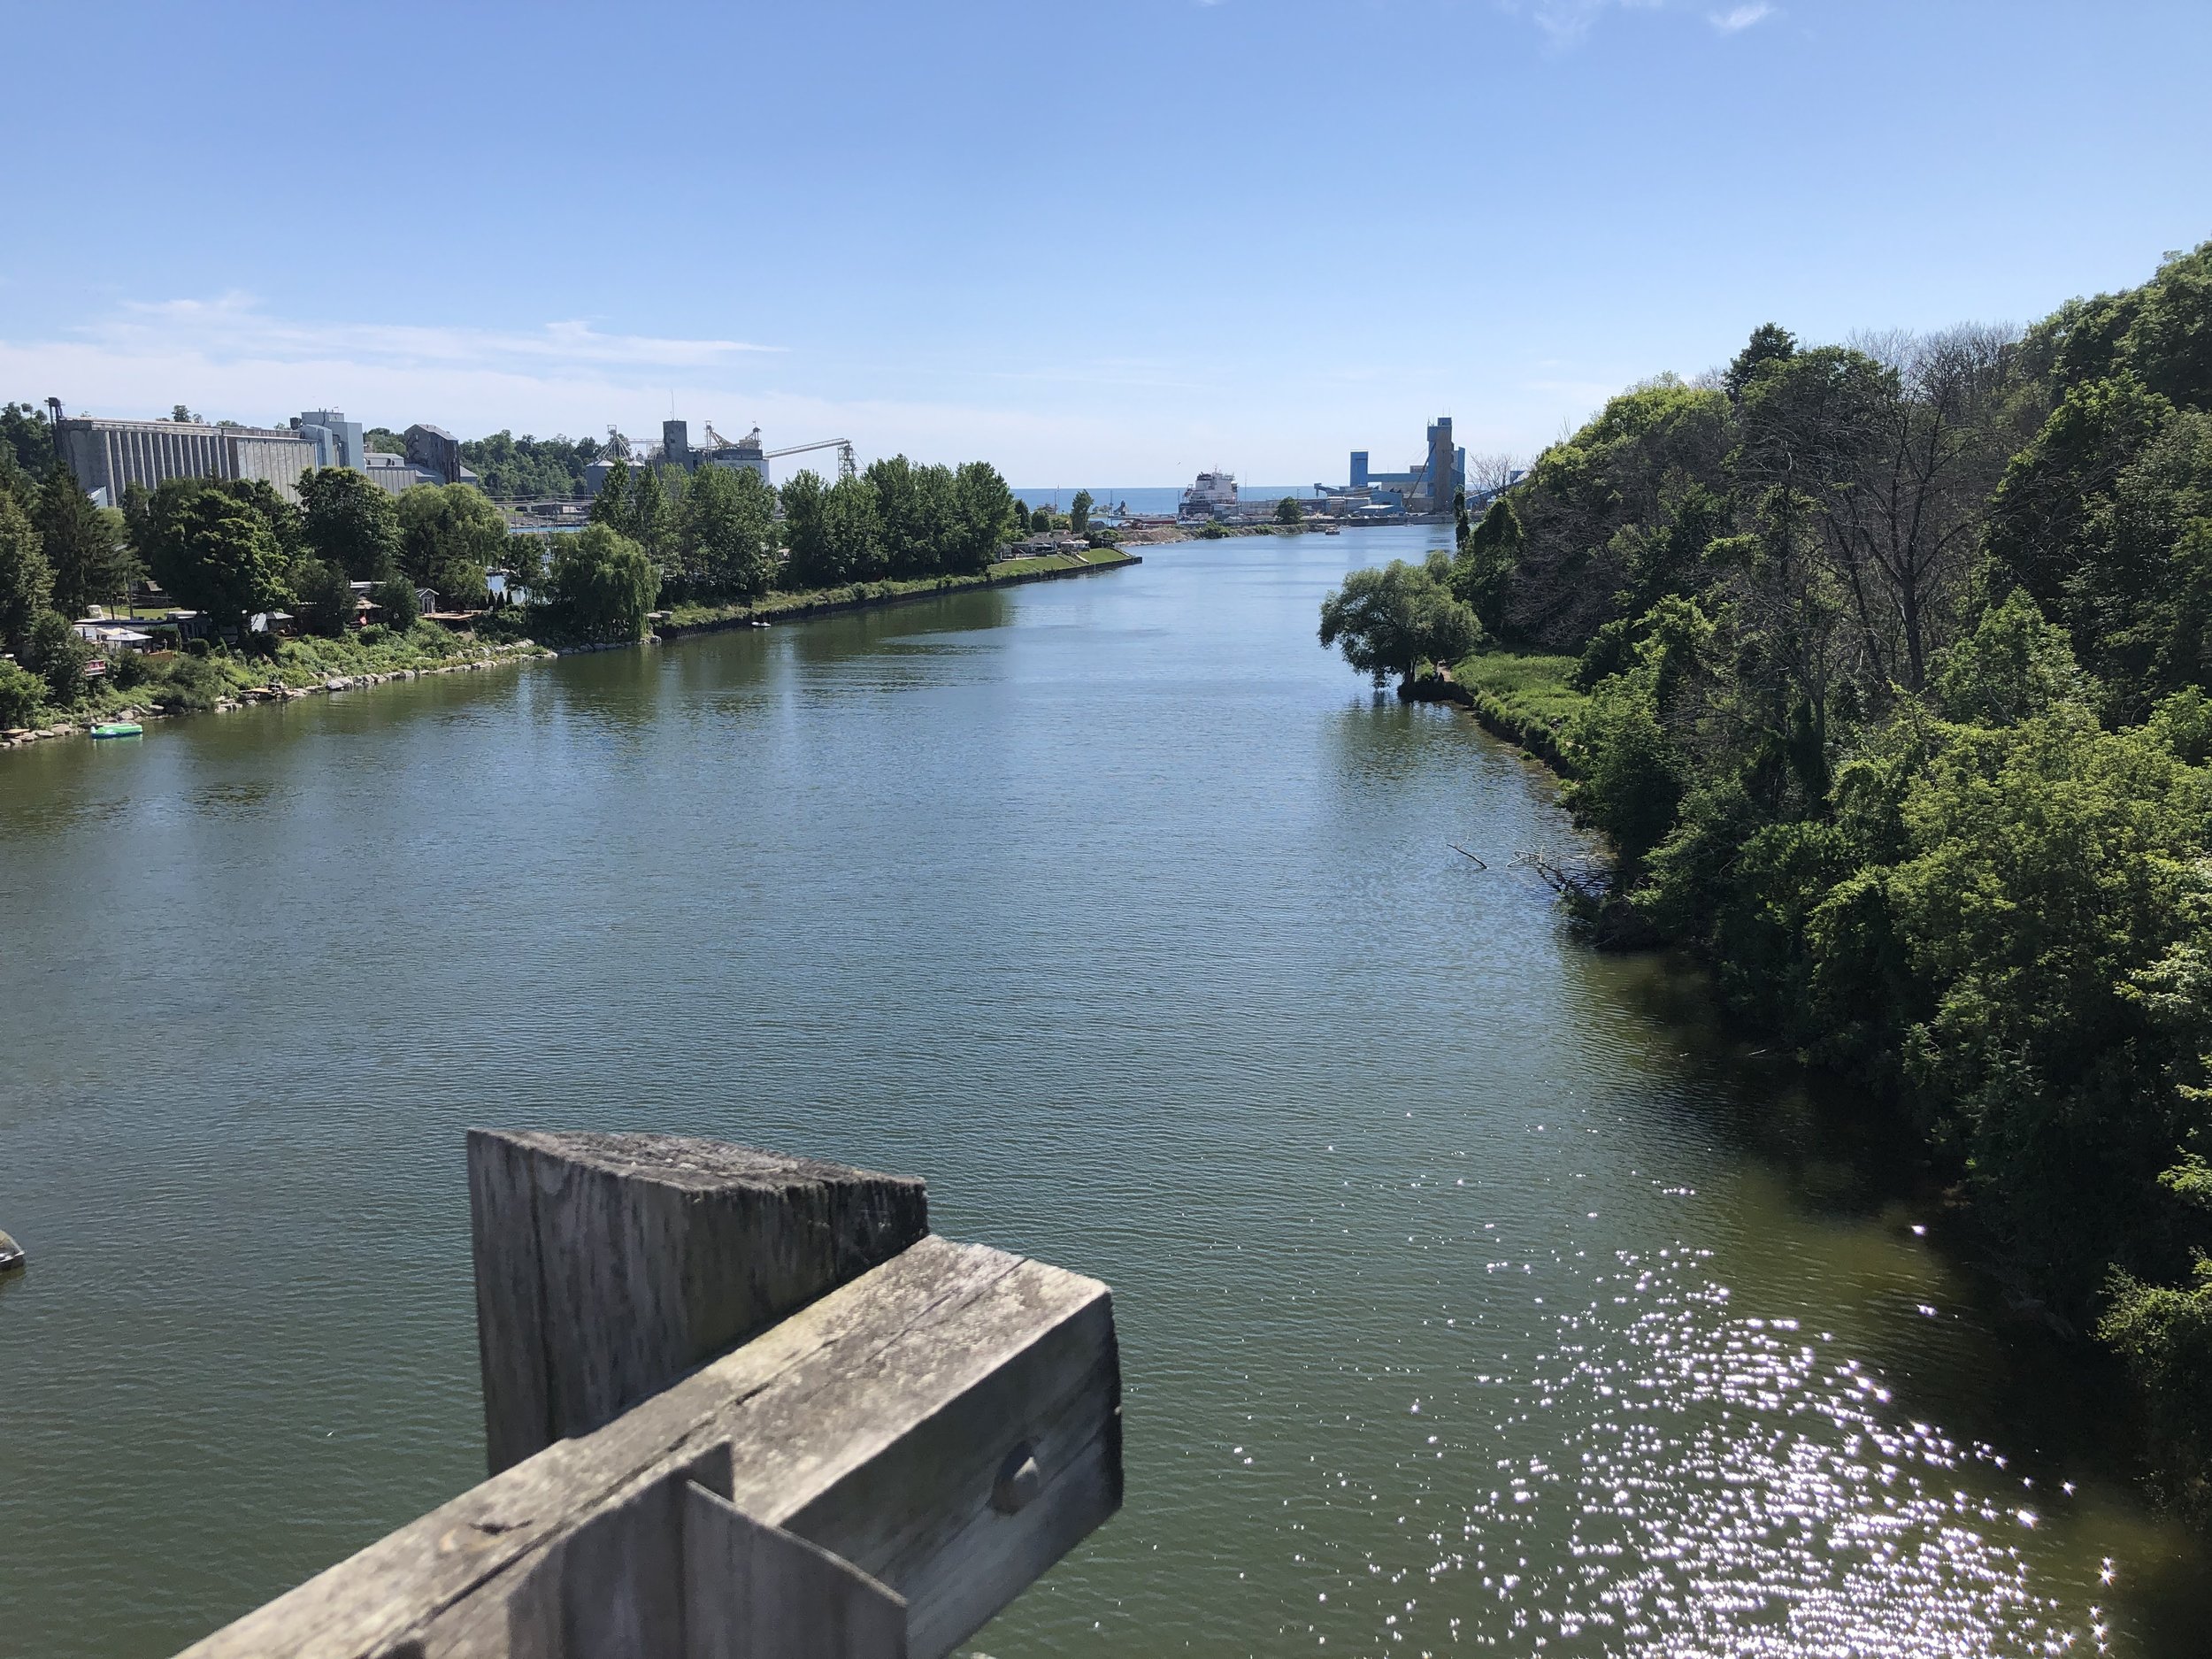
(1414, 490)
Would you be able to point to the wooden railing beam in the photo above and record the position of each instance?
(934, 1433)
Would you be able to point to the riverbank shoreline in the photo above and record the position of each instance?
(1528, 701)
(792, 608)
(280, 691)
(1520, 699)
(870, 595)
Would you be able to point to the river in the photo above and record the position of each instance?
(1476, 1294)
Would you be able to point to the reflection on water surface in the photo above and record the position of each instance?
(1469, 1298)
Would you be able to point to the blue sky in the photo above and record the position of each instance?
(1112, 243)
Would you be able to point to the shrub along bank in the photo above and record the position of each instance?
(1892, 668)
(178, 682)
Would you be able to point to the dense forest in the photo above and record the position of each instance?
(1894, 660)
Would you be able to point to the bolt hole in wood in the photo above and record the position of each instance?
(737, 1406)
(1019, 1480)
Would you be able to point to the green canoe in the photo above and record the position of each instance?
(119, 728)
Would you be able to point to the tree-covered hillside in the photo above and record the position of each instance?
(1895, 658)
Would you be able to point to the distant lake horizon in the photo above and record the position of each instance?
(1149, 497)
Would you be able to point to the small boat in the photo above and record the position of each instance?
(119, 728)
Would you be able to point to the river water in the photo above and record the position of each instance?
(1475, 1293)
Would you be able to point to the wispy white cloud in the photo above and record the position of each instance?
(230, 358)
(1739, 17)
(1566, 23)
(234, 326)
(1130, 418)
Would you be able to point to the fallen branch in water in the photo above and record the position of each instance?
(1587, 884)
(1464, 853)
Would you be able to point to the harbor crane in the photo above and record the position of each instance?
(843, 446)
(847, 466)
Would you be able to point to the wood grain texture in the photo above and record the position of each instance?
(608, 1265)
(873, 1424)
(752, 1590)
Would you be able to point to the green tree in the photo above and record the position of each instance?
(324, 595)
(398, 607)
(986, 517)
(2163, 1335)
(1041, 521)
(150, 517)
(854, 528)
(1079, 513)
(2048, 508)
(1391, 621)
(26, 582)
(920, 514)
(213, 551)
(935, 533)
(612, 506)
(350, 522)
(728, 534)
(2013, 667)
(20, 694)
(601, 585)
(25, 438)
(2054, 874)
(908, 539)
(655, 517)
(834, 531)
(524, 561)
(1900, 460)
(182, 415)
(803, 497)
(1582, 495)
(59, 656)
(1770, 342)
(2169, 337)
(1633, 777)
(1482, 576)
(1288, 511)
(450, 537)
(2135, 604)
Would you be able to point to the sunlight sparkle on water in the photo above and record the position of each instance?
(1726, 1486)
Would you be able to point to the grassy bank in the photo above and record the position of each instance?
(1526, 699)
(697, 619)
(175, 682)
(169, 683)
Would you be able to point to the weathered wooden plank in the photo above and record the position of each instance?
(616, 1586)
(850, 1425)
(909, 1497)
(608, 1265)
(752, 1591)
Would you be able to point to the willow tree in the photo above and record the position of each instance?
(1394, 619)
